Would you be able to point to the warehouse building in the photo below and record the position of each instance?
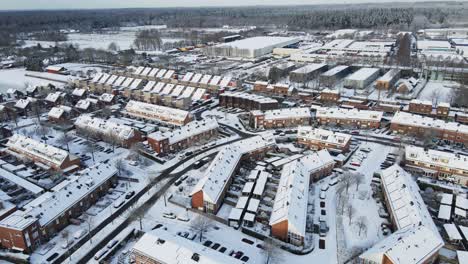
(307, 72)
(331, 77)
(250, 48)
(389, 79)
(362, 78)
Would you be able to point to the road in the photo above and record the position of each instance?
(165, 174)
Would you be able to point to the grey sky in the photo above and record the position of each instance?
(73, 4)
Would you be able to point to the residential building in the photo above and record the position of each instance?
(437, 164)
(278, 118)
(172, 249)
(209, 192)
(158, 113)
(108, 130)
(420, 107)
(184, 136)
(349, 117)
(422, 126)
(43, 155)
(329, 96)
(247, 101)
(289, 215)
(42, 218)
(416, 239)
(318, 139)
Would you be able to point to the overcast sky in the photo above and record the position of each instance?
(73, 4)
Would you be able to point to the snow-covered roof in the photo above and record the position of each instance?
(79, 92)
(405, 202)
(58, 111)
(433, 45)
(104, 127)
(309, 68)
(172, 249)
(421, 102)
(149, 86)
(97, 77)
(104, 78)
(404, 118)
(161, 73)
(224, 164)
(53, 97)
(225, 81)
(445, 212)
(177, 90)
(167, 89)
(196, 78)
(153, 72)
(335, 70)
(215, 80)
(158, 87)
(342, 113)
(252, 97)
(260, 42)
(388, 76)
(452, 232)
(169, 74)
(119, 81)
(84, 104)
(156, 112)
(112, 79)
(461, 202)
(322, 135)
(184, 132)
(127, 82)
(54, 68)
(447, 199)
(22, 103)
(437, 158)
(105, 97)
(187, 77)
(293, 191)
(48, 153)
(146, 71)
(285, 113)
(136, 84)
(462, 256)
(261, 183)
(139, 70)
(363, 74)
(33, 188)
(188, 92)
(198, 94)
(51, 205)
(412, 245)
(206, 78)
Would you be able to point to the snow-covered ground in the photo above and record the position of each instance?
(17, 79)
(123, 39)
(438, 90)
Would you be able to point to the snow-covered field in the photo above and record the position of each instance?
(438, 90)
(123, 39)
(16, 78)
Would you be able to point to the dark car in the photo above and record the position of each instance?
(157, 226)
(245, 240)
(216, 246)
(207, 243)
(245, 258)
(129, 194)
(222, 249)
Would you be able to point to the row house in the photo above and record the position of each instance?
(279, 89)
(43, 155)
(416, 239)
(178, 96)
(437, 164)
(420, 107)
(422, 126)
(154, 74)
(279, 118)
(247, 101)
(41, 219)
(211, 189)
(158, 113)
(318, 139)
(183, 137)
(357, 102)
(108, 130)
(364, 119)
(388, 106)
(289, 215)
(329, 96)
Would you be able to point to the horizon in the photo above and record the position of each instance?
(45, 5)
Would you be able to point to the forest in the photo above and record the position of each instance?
(399, 16)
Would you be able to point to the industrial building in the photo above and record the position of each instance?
(249, 48)
(307, 72)
(362, 78)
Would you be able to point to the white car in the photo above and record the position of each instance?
(323, 195)
(79, 234)
(169, 215)
(324, 188)
(66, 243)
(119, 203)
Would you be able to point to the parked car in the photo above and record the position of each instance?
(129, 194)
(79, 234)
(119, 203)
(101, 253)
(112, 243)
(169, 215)
(67, 243)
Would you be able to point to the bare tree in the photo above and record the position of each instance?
(112, 138)
(200, 225)
(359, 179)
(66, 237)
(362, 224)
(348, 179)
(65, 140)
(271, 251)
(135, 151)
(90, 147)
(113, 47)
(89, 222)
(138, 214)
(342, 196)
(43, 131)
(350, 211)
(120, 165)
(106, 112)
